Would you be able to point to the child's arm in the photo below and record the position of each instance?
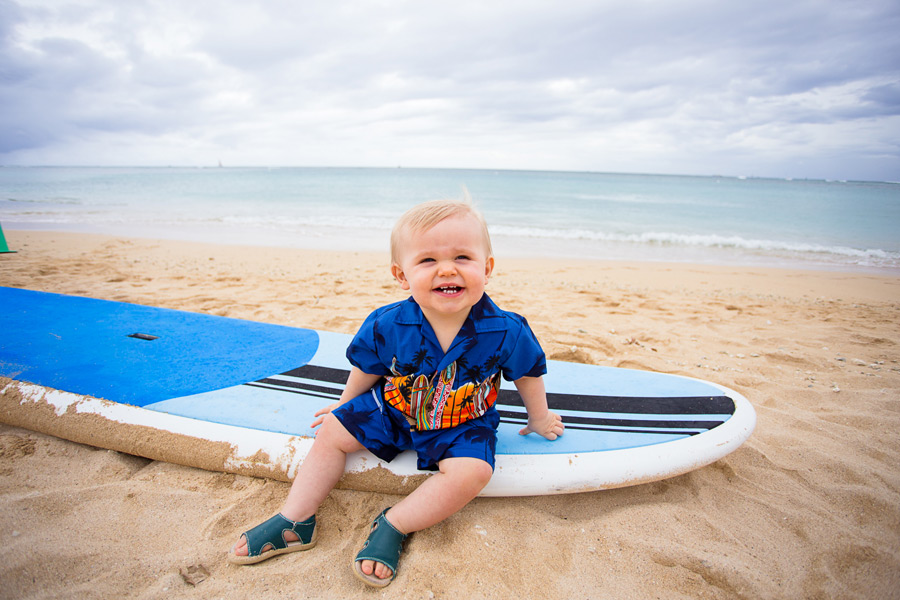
(357, 383)
(540, 419)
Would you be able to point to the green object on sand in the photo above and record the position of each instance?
(4, 249)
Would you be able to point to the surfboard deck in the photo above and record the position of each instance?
(238, 396)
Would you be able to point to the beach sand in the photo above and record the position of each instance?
(809, 507)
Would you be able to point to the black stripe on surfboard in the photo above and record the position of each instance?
(659, 426)
(293, 390)
(631, 423)
(685, 405)
(327, 392)
(316, 391)
(317, 373)
(682, 405)
(615, 429)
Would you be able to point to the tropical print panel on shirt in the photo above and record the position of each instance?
(434, 403)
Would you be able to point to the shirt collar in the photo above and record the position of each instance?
(484, 315)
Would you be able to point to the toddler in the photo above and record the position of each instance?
(425, 375)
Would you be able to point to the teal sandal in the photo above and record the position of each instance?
(383, 545)
(266, 540)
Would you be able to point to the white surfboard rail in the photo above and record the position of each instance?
(227, 448)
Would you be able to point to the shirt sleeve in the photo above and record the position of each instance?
(527, 358)
(362, 351)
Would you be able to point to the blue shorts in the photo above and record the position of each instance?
(385, 432)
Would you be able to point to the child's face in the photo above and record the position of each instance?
(446, 267)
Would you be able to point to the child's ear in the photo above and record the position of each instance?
(488, 268)
(397, 272)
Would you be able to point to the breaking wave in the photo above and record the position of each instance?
(861, 256)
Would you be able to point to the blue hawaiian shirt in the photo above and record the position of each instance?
(434, 389)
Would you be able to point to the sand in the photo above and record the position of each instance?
(809, 507)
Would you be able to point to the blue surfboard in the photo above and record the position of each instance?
(251, 389)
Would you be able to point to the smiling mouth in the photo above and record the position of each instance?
(449, 289)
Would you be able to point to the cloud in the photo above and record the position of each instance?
(769, 88)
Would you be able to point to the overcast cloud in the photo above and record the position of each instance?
(796, 88)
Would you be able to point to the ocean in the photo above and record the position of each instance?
(810, 224)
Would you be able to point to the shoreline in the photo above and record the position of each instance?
(815, 352)
(807, 282)
(505, 246)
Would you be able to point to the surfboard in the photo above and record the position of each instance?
(238, 396)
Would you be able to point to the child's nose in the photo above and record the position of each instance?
(447, 267)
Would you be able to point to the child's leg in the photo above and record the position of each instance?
(317, 475)
(440, 496)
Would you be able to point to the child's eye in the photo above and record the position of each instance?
(462, 257)
(426, 260)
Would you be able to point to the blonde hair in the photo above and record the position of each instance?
(423, 217)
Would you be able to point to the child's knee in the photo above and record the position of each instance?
(333, 433)
(481, 474)
(472, 473)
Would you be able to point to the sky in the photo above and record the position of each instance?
(767, 88)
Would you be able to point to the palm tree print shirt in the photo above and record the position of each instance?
(437, 390)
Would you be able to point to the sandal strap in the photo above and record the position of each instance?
(384, 544)
(272, 532)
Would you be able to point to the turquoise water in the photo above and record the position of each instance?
(713, 220)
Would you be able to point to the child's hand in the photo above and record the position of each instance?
(320, 414)
(550, 427)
